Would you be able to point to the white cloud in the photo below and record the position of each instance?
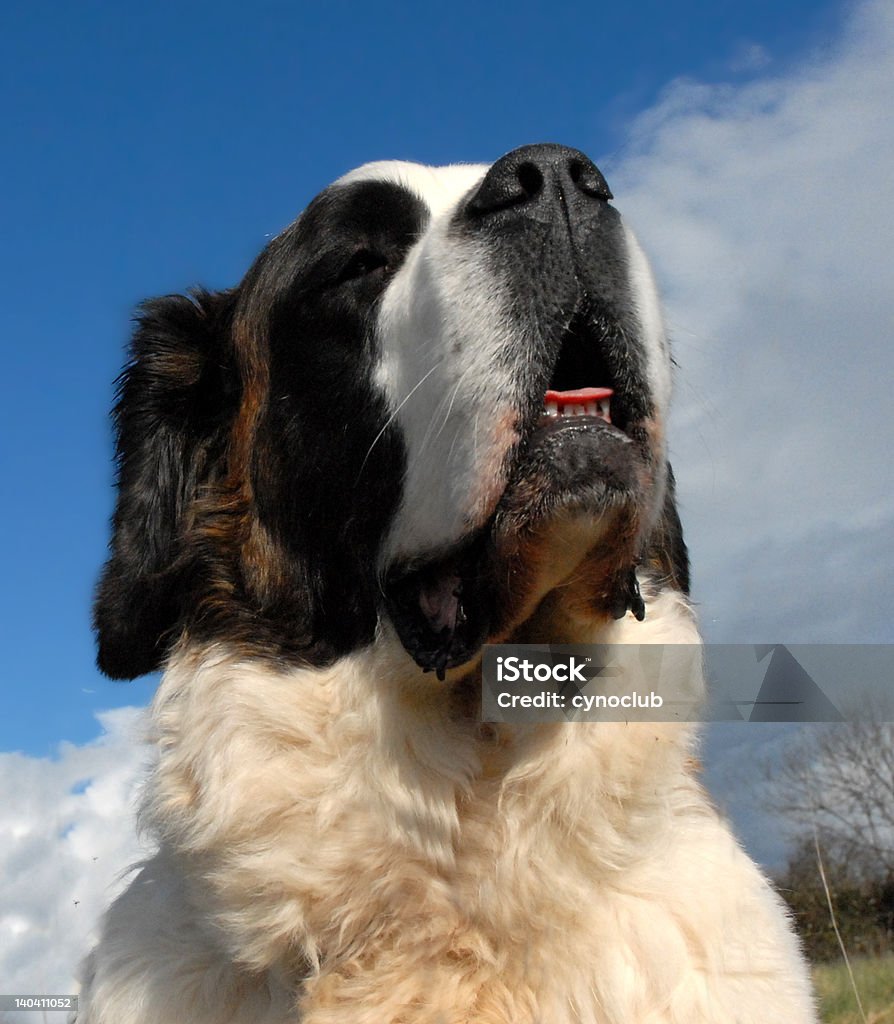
(66, 835)
(768, 209)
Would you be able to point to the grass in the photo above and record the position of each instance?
(875, 983)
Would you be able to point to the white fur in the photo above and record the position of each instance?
(454, 407)
(345, 824)
(442, 322)
(651, 319)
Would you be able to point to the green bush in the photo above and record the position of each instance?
(864, 907)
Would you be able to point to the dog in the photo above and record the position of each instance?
(431, 416)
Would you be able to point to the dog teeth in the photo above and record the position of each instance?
(600, 409)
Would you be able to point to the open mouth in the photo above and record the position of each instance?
(592, 378)
(579, 402)
(442, 611)
(575, 458)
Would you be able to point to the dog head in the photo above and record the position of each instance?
(436, 399)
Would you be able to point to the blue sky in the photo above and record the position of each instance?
(152, 147)
(148, 148)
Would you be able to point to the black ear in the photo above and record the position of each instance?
(667, 555)
(174, 403)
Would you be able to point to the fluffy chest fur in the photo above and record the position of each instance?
(341, 842)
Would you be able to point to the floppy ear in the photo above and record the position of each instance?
(174, 403)
(667, 554)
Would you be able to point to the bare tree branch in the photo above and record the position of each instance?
(839, 780)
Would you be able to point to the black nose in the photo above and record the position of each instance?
(534, 172)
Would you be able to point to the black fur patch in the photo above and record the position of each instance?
(275, 548)
(176, 399)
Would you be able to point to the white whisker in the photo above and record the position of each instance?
(391, 418)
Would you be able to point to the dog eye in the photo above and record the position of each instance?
(362, 263)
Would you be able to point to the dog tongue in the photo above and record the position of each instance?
(580, 396)
(439, 601)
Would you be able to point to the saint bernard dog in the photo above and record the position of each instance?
(431, 416)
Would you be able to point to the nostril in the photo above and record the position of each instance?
(588, 178)
(530, 178)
